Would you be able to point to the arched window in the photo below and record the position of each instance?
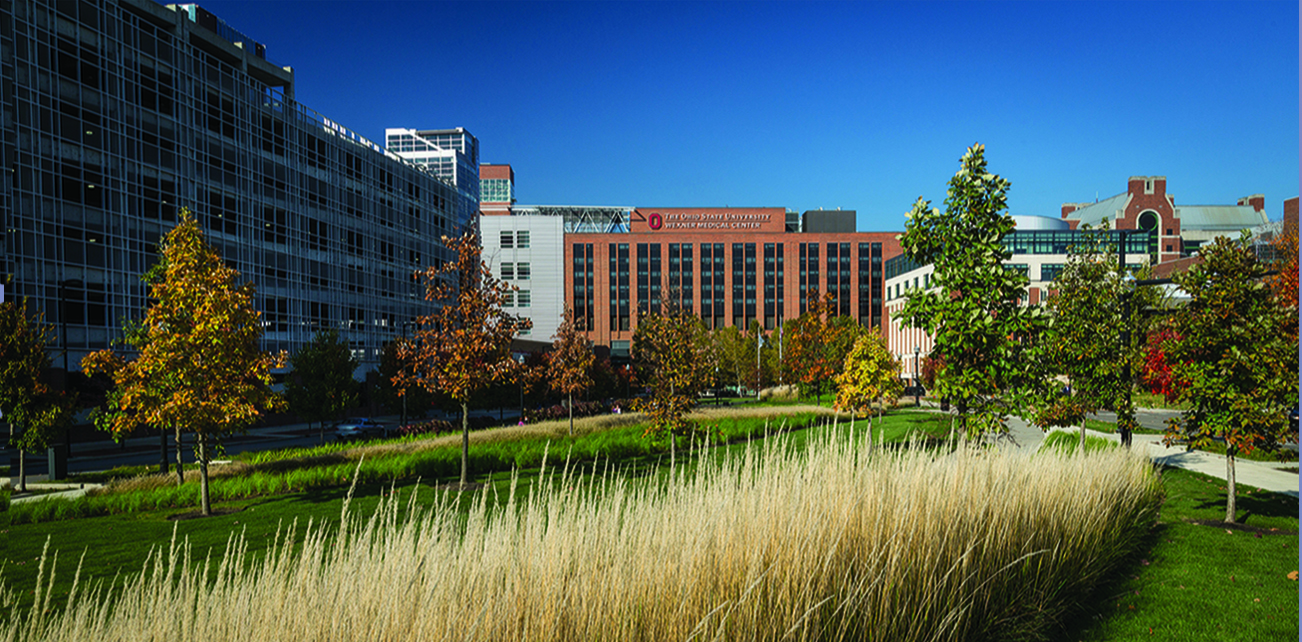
(1148, 222)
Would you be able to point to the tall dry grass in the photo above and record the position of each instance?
(842, 542)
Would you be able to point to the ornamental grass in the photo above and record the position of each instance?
(838, 542)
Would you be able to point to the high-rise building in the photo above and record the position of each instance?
(117, 114)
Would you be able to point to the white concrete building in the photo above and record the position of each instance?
(528, 252)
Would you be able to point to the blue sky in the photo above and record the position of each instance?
(803, 105)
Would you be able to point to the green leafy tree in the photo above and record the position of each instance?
(322, 387)
(464, 347)
(871, 374)
(982, 334)
(198, 367)
(570, 361)
(23, 396)
(1087, 340)
(671, 349)
(1232, 345)
(418, 401)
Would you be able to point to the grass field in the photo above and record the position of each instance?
(1176, 583)
(835, 541)
(1194, 578)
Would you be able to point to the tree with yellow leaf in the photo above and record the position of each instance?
(198, 368)
(465, 346)
(871, 374)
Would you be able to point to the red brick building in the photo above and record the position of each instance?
(1176, 230)
(731, 265)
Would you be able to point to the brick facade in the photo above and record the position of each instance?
(757, 272)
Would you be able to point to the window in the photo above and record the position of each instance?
(508, 301)
(523, 299)
(507, 240)
(522, 239)
(522, 271)
(508, 271)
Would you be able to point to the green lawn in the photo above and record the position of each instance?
(1203, 581)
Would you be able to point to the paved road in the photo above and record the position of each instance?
(104, 454)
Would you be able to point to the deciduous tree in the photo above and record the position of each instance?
(1233, 348)
(569, 362)
(198, 367)
(23, 396)
(322, 387)
(1086, 333)
(816, 344)
(871, 374)
(981, 331)
(671, 348)
(464, 346)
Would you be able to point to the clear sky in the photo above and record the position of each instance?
(803, 105)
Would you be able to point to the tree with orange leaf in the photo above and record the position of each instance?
(198, 368)
(569, 361)
(465, 346)
(1284, 282)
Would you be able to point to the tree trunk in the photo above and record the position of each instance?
(163, 464)
(465, 443)
(322, 431)
(1082, 435)
(22, 470)
(180, 454)
(204, 505)
(1230, 489)
(571, 415)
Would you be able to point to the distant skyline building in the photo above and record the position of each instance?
(118, 114)
(451, 154)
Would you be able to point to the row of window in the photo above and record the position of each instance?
(515, 271)
(514, 240)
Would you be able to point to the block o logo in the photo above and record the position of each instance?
(655, 221)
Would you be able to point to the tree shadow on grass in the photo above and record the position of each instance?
(1092, 608)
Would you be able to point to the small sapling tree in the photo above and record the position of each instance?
(198, 367)
(983, 335)
(322, 387)
(570, 361)
(871, 374)
(464, 346)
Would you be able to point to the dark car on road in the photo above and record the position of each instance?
(359, 428)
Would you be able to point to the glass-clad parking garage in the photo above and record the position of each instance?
(119, 114)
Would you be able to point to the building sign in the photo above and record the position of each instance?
(716, 220)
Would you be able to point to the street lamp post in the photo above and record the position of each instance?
(917, 376)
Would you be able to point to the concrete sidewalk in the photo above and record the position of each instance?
(1264, 475)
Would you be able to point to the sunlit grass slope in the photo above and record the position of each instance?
(840, 542)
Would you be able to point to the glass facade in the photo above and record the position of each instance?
(1038, 242)
(584, 291)
(451, 154)
(496, 190)
(119, 114)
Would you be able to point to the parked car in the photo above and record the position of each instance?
(914, 391)
(359, 428)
